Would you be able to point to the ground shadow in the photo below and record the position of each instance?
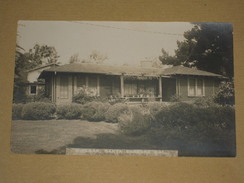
(120, 141)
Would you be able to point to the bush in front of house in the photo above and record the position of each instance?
(225, 94)
(179, 114)
(154, 107)
(69, 111)
(114, 111)
(186, 124)
(38, 111)
(204, 102)
(95, 111)
(84, 95)
(134, 121)
(16, 111)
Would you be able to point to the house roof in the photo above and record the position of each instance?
(104, 69)
(126, 70)
(42, 66)
(181, 70)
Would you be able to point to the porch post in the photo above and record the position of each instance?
(122, 85)
(98, 86)
(160, 88)
(87, 81)
(75, 84)
(53, 85)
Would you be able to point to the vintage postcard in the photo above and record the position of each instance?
(124, 88)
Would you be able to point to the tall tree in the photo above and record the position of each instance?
(41, 55)
(207, 46)
(28, 60)
(19, 74)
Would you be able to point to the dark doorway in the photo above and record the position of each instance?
(169, 88)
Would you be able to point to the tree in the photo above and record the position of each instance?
(97, 57)
(74, 58)
(94, 57)
(41, 55)
(28, 60)
(207, 46)
(19, 74)
(225, 94)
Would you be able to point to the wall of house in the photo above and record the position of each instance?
(48, 87)
(105, 86)
(210, 87)
(67, 85)
(32, 76)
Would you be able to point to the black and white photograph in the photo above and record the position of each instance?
(124, 89)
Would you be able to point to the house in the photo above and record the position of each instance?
(33, 84)
(134, 83)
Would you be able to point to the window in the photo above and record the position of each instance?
(33, 89)
(196, 87)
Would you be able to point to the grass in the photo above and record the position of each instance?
(54, 136)
(29, 136)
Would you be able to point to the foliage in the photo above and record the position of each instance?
(69, 111)
(175, 98)
(113, 112)
(94, 57)
(38, 111)
(225, 94)
(204, 102)
(187, 123)
(21, 65)
(28, 60)
(153, 108)
(208, 46)
(16, 111)
(84, 95)
(133, 121)
(41, 96)
(95, 111)
(74, 58)
(41, 54)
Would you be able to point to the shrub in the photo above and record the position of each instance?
(225, 95)
(187, 123)
(40, 97)
(179, 114)
(17, 110)
(175, 98)
(95, 111)
(154, 107)
(84, 95)
(113, 112)
(204, 102)
(69, 111)
(38, 111)
(133, 121)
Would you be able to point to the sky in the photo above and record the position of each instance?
(122, 42)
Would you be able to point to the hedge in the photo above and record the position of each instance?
(113, 112)
(38, 111)
(16, 111)
(134, 121)
(95, 111)
(69, 111)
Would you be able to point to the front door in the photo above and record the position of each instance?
(64, 89)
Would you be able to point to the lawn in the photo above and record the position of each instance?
(54, 136)
(46, 135)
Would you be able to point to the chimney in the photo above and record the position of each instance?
(146, 63)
